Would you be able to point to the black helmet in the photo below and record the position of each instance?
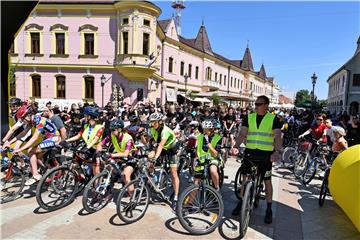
(15, 101)
(116, 124)
(133, 118)
(92, 111)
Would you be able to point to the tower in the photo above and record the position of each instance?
(178, 5)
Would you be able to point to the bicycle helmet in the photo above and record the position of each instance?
(23, 111)
(133, 118)
(216, 123)
(15, 101)
(91, 111)
(116, 124)
(206, 124)
(156, 117)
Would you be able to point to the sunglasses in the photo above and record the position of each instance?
(259, 104)
(319, 119)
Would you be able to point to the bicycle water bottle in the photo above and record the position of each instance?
(5, 161)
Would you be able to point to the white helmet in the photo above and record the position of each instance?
(206, 124)
(156, 117)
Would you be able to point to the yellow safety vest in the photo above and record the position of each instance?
(121, 148)
(201, 154)
(170, 140)
(261, 138)
(89, 138)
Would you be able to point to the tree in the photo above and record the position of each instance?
(302, 96)
(215, 99)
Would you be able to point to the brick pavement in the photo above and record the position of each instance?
(295, 209)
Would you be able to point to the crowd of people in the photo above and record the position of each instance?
(260, 128)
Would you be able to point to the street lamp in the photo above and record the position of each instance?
(186, 78)
(102, 78)
(313, 78)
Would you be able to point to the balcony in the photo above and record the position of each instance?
(135, 67)
(210, 85)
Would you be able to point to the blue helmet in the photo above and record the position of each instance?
(91, 111)
(116, 124)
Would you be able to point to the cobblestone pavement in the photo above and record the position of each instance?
(295, 210)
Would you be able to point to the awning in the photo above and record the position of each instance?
(224, 95)
(170, 95)
(196, 99)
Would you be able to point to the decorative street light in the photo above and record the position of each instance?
(103, 81)
(313, 78)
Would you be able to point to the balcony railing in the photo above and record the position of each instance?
(211, 84)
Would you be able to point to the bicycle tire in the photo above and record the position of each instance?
(310, 171)
(183, 201)
(289, 155)
(238, 184)
(246, 208)
(324, 188)
(89, 190)
(49, 179)
(123, 194)
(17, 177)
(299, 165)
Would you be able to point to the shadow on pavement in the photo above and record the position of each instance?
(170, 224)
(112, 221)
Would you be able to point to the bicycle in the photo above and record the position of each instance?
(252, 193)
(59, 186)
(134, 197)
(303, 154)
(198, 201)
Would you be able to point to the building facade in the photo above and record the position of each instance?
(110, 51)
(344, 86)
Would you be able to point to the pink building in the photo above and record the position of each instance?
(67, 51)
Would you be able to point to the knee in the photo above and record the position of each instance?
(213, 169)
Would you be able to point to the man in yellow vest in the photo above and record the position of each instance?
(208, 148)
(262, 131)
(91, 133)
(123, 145)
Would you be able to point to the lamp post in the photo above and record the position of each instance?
(102, 78)
(313, 80)
(186, 78)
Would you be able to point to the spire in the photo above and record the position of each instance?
(358, 46)
(262, 72)
(247, 63)
(202, 41)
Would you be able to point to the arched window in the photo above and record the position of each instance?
(60, 86)
(208, 73)
(36, 86)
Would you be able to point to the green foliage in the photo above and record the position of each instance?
(190, 95)
(215, 99)
(302, 98)
(11, 74)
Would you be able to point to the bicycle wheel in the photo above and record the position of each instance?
(133, 201)
(57, 188)
(289, 155)
(246, 208)
(12, 184)
(310, 171)
(165, 184)
(324, 188)
(200, 209)
(97, 193)
(300, 164)
(238, 184)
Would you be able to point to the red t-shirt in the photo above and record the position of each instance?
(318, 131)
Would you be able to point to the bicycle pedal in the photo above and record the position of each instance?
(226, 177)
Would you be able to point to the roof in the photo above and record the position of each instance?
(202, 41)
(247, 63)
(262, 72)
(164, 24)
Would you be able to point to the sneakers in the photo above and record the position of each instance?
(237, 209)
(174, 205)
(32, 180)
(268, 216)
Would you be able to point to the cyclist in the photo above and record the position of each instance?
(318, 129)
(43, 127)
(123, 145)
(208, 148)
(91, 133)
(262, 131)
(339, 143)
(167, 145)
(56, 119)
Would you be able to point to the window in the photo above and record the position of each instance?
(208, 73)
(146, 39)
(197, 72)
(60, 43)
(189, 70)
(146, 22)
(251, 86)
(182, 68)
(125, 38)
(13, 87)
(125, 21)
(60, 86)
(241, 84)
(171, 62)
(238, 83)
(220, 78)
(343, 81)
(224, 80)
(89, 43)
(35, 43)
(12, 49)
(231, 81)
(89, 87)
(356, 80)
(36, 86)
(216, 77)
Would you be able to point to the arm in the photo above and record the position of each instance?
(10, 132)
(278, 140)
(119, 155)
(306, 133)
(213, 150)
(30, 142)
(160, 148)
(242, 136)
(63, 133)
(74, 138)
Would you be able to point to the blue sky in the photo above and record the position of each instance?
(292, 39)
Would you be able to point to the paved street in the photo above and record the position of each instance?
(296, 216)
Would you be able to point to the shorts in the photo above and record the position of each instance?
(172, 154)
(264, 166)
(48, 143)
